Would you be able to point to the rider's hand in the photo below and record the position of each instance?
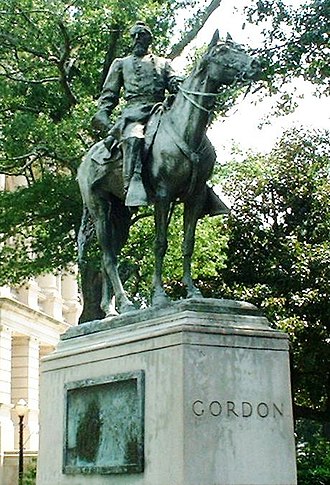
(100, 121)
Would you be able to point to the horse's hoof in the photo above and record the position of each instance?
(195, 293)
(127, 308)
(111, 313)
(160, 300)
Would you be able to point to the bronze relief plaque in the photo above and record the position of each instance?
(104, 425)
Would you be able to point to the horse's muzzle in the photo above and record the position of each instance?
(255, 69)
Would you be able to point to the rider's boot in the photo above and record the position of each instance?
(132, 171)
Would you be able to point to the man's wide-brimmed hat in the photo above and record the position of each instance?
(140, 26)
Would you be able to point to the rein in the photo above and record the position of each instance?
(185, 93)
(193, 156)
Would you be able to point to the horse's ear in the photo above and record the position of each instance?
(229, 37)
(215, 39)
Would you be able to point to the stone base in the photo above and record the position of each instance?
(217, 402)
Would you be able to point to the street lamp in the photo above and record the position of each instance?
(21, 409)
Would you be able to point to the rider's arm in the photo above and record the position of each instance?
(110, 95)
(172, 79)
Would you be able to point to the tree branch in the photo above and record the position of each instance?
(70, 5)
(189, 36)
(36, 10)
(20, 157)
(35, 155)
(14, 42)
(115, 30)
(9, 170)
(28, 20)
(10, 109)
(33, 24)
(10, 76)
(65, 65)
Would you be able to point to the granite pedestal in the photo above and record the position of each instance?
(194, 394)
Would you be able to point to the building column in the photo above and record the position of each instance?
(25, 385)
(50, 299)
(29, 293)
(6, 424)
(2, 181)
(71, 305)
(5, 292)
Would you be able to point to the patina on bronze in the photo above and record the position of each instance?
(104, 425)
(176, 169)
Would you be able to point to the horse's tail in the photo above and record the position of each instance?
(85, 234)
(91, 278)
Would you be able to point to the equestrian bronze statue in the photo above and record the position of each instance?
(174, 163)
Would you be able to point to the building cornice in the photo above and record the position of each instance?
(24, 320)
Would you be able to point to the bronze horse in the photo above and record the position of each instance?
(179, 163)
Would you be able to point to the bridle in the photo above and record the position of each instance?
(186, 92)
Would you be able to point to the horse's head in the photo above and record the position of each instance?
(227, 62)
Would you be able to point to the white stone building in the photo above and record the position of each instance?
(32, 318)
(31, 321)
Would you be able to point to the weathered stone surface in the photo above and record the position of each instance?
(217, 396)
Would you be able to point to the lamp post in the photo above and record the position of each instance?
(21, 409)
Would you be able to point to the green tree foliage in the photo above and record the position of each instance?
(38, 227)
(313, 454)
(297, 39)
(30, 472)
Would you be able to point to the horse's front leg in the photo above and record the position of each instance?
(192, 210)
(162, 209)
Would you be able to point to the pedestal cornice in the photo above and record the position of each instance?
(234, 323)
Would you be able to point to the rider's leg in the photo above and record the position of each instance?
(132, 172)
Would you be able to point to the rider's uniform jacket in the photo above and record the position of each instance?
(144, 81)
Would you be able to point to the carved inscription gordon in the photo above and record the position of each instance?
(237, 409)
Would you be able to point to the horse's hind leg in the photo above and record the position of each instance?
(110, 243)
(192, 210)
